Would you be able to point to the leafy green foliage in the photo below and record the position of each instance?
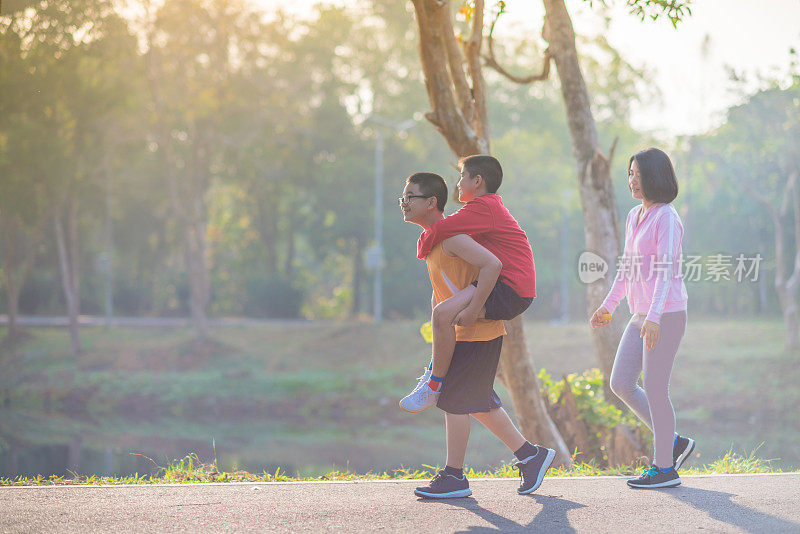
(264, 125)
(599, 415)
(674, 10)
(587, 387)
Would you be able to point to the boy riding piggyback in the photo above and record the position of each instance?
(489, 223)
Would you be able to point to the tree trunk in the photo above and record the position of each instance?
(186, 193)
(69, 278)
(786, 286)
(267, 231)
(599, 206)
(459, 113)
(518, 375)
(358, 275)
(16, 270)
(10, 228)
(288, 264)
(194, 243)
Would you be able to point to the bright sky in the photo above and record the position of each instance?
(752, 37)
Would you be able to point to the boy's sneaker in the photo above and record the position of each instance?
(653, 477)
(681, 450)
(444, 486)
(424, 379)
(533, 468)
(422, 398)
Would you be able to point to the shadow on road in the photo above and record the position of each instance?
(551, 518)
(720, 506)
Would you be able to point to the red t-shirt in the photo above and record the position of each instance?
(487, 220)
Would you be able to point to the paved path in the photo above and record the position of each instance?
(729, 503)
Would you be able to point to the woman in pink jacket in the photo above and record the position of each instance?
(649, 276)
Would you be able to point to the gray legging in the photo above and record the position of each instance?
(652, 404)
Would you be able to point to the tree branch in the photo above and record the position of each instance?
(612, 150)
(491, 61)
(455, 61)
(445, 114)
(761, 198)
(794, 279)
(473, 53)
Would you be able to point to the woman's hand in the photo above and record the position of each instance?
(650, 334)
(601, 317)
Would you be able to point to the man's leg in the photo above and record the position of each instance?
(444, 331)
(450, 481)
(457, 437)
(499, 423)
(534, 461)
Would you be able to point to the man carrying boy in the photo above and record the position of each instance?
(454, 264)
(486, 219)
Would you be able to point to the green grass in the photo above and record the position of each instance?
(190, 470)
(295, 390)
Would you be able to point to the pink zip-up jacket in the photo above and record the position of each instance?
(649, 274)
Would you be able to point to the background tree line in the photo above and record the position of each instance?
(216, 161)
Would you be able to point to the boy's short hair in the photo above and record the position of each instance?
(659, 183)
(487, 167)
(431, 185)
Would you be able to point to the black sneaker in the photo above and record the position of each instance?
(654, 478)
(533, 468)
(681, 450)
(444, 486)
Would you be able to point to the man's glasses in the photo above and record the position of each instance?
(403, 201)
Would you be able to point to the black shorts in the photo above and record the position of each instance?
(503, 303)
(468, 386)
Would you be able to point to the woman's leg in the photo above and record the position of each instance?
(627, 368)
(657, 370)
(499, 423)
(457, 437)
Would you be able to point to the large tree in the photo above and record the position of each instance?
(757, 147)
(452, 65)
(459, 111)
(66, 93)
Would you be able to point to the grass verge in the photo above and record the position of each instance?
(191, 470)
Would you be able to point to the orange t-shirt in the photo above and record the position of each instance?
(451, 274)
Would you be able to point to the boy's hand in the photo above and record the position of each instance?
(466, 317)
(650, 334)
(601, 317)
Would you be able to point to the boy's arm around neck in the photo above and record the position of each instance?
(474, 217)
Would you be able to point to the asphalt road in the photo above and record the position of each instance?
(722, 503)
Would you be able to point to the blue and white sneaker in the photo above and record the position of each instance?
(444, 486)
(681, 450)
(424, 379)
(653, 477)
(533, 468)
(422, 398)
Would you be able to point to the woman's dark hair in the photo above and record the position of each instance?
(487, 167)
(431, 185)
(659, 183)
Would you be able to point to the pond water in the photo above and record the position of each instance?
(34, 443)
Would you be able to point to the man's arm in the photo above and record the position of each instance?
(473, 218)
(468, 250)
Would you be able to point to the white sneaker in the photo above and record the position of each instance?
(422, 398)
(424, 379)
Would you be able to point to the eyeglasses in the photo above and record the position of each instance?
(403, 201)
